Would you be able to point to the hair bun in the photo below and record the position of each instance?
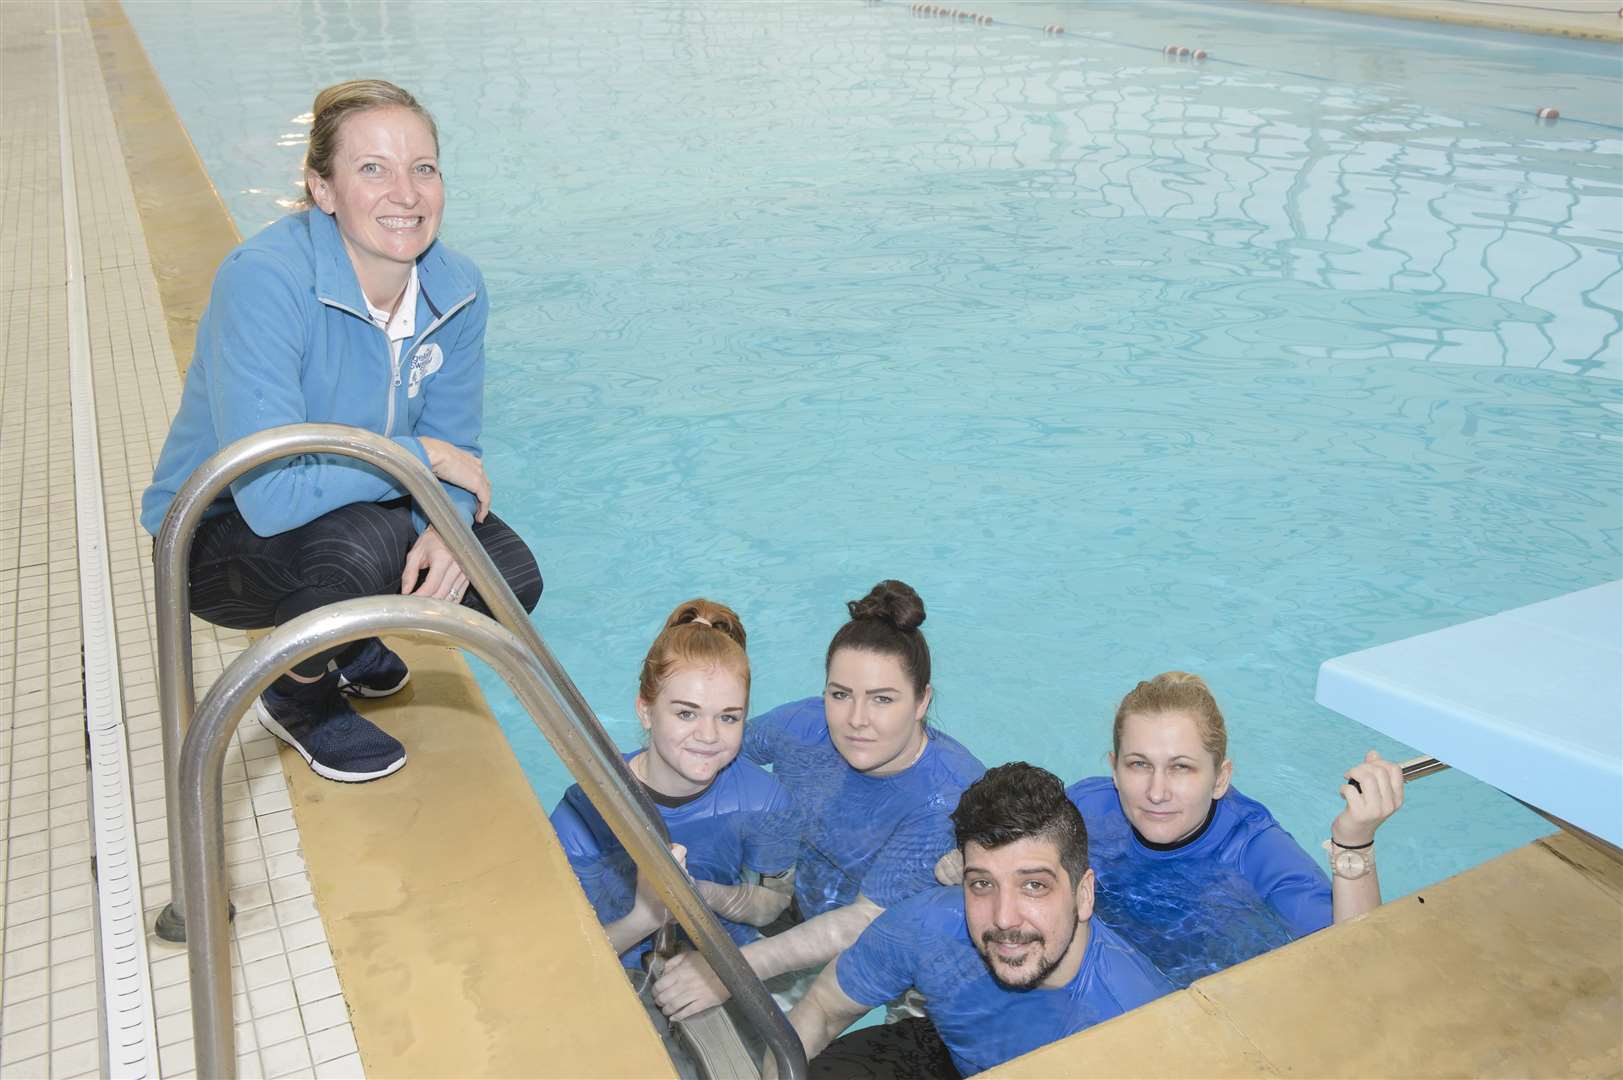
(893, 602)
(1179, 678)
(708, 613)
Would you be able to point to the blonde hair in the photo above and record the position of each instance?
(698, 634)
(1177, 691)
(335, 104)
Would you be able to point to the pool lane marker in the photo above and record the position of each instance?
(951, 13)
(130, 1029)
(1548, 114)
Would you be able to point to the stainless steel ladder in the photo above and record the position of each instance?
(195, 736)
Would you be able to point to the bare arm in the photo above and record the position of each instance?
(688, 986)
(823, 1013)
(1381, 797)
(815, 941)
(647, 912)
(750, 903)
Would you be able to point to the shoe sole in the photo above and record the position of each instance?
(357, 690)
(326, 772)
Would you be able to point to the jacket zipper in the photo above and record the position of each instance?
(394, 361)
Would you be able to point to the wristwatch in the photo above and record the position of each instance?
(1350, 863)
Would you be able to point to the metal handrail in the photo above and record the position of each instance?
(202, 824)
(172, 558)
(193, 764)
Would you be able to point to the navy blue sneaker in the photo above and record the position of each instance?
(376, 671)
(335, 741)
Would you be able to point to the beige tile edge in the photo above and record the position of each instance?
(1528, 18)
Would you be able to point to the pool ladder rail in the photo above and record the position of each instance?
(196, 735)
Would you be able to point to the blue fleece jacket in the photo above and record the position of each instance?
(286, 339)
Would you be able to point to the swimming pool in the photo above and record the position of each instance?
(1126, 364)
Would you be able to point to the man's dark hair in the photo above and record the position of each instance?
(1016, 801)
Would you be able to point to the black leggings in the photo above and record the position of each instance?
(245, 581)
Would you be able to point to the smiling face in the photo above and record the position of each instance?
(1165, 778)
(875, 719)
(695, 726)
(1026, 917)
(386, 195)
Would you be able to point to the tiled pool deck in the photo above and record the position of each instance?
(291, 1016)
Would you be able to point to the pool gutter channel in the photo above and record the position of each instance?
(129, 1028)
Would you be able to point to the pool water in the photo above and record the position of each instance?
(1126, 364)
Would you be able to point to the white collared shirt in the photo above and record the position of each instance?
(404, 323)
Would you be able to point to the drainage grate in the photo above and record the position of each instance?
(126, 986)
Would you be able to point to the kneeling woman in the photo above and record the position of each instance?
(1197, 875)
(736, 823)
(350, 312)
(873, 783)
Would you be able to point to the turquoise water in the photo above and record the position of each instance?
(1125, 364)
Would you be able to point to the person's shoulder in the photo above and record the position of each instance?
(1108, 941)
(442, 264)
(953, 761)
(1093, 793)
(744, 785)
(1244, 812)
(281, 252)
(1121, 965)
(936, 912)
(578, 824)
(804, 718)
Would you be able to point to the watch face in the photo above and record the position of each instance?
(1351, 864)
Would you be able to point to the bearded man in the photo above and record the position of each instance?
(1011, 960)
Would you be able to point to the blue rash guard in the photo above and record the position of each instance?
(924, 943)
(743, 821)
(874, 836)
(1241, 887)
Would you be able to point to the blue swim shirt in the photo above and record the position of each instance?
(878, 837)
(1241, 888)
(743, 821)
(924, 943)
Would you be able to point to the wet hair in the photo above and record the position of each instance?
(887, 621)
(1177, 691)
(698, 634)
(1016, 801)
(337, 103)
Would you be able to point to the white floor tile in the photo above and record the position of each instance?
(275, 998)
(76, 1060)
(344, 1068)
(278, 1028)
(317, 985)
(285, 1058)
(23, 1015)
(72, 1030)
(176, 1058)
(323, 1014)
(28, 1043)
(74, 999)
(333, 1043)
(25, 1069)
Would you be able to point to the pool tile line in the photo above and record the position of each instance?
(128, 1028)
(293, 1020)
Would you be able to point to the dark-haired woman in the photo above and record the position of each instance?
(874, 785)
(349, 312)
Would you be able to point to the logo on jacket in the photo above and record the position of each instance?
(424, 362)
